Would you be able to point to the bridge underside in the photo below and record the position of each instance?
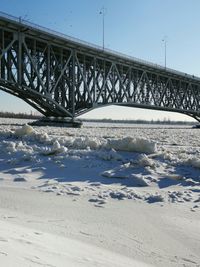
(61, 78)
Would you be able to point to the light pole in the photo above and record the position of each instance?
(165, 45)
(23, 18)
(102, 12)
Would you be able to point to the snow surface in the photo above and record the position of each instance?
(102, 195)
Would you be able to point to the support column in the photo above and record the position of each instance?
(48, 73)
(94, 82)
(20, 63)
(2, 61)
(72, 85)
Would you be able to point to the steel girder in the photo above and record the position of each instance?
(64, 80)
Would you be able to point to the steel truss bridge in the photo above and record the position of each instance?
(61, 76)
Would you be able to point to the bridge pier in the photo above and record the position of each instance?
(57, 122)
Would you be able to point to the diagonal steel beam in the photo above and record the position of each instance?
(83, 76)
(61, 74)
(35, 69)
(5, 50)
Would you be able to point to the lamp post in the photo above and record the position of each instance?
(102, 12)
(165, 46)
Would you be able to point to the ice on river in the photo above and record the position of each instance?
(161, 164)
(102, 195)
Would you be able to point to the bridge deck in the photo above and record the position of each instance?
(34, 30)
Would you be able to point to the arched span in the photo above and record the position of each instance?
(63, 77)
(140, 106)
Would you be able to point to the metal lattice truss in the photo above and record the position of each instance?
(60, 77)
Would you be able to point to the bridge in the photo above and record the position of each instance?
(61, 76)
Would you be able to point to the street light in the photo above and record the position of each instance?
(23, 18)
(165, 44)
(102, 12)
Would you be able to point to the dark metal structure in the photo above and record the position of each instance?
(64, 77)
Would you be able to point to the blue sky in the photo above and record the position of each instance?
(133, 27)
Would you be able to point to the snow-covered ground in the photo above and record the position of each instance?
(102, 195)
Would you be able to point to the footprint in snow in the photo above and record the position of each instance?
(19, 179)
(73, 193)
(98, 202)
(3, 253)
(37, 233)
(3, 239)
(95, 184)
(99, 206)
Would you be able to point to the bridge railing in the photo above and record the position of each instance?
(94, 46)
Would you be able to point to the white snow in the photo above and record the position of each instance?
(194, 162)
(99, 196)
(28, 247)
(133, 145)
(24, 130)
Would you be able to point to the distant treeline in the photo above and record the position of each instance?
(18, 115)
(141, 121)
(35, 117)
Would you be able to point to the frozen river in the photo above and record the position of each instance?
(130, 154)
(102, 168)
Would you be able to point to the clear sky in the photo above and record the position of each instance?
(133, 27)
